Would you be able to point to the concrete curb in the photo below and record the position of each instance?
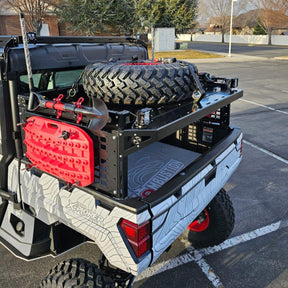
(233, 58)
(281, 58)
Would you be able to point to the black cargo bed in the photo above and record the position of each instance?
(153, 166)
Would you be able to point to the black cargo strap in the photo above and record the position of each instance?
(195, 79)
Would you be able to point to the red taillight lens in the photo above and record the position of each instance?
(138, 236)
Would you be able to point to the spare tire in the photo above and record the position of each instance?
(145, 83)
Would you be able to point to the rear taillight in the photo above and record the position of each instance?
(138, 236)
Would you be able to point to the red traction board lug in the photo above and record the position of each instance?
(60, 149)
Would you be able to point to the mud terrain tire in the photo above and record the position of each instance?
(76, 273)
(221, 223)
(141, 83)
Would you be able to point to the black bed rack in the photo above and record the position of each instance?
(117, 142)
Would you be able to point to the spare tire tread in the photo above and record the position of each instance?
(140, 84)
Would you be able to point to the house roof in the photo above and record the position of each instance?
(277, 19)
(249, 19)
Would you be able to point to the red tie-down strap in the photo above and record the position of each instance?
(60, 149)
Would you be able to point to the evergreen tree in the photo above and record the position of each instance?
(91, 16)
(184, 13)
(259, 29)
(124, 16)
(180, 14)
(154, 13)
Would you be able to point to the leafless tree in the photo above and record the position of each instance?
(220, 10)
(272, 15)
(33, 10)
(203, 12)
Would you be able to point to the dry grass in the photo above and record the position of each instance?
(184, 54)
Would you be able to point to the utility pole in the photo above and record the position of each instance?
(231, 26)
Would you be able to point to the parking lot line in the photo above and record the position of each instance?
(266, 151)
(206, 268)
(197, 256)
(193, 255)
(264, 106)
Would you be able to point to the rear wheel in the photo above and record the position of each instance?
(76, 273)
(214, 224)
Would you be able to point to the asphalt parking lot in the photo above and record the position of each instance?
(256, 255)
(242, 49)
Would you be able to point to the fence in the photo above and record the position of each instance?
(240, 39)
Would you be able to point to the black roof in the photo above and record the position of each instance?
(62, 52)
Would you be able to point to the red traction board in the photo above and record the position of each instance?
(60, 149)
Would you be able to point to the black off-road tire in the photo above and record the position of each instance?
(76, 273)
(221, 223)
(142, 83)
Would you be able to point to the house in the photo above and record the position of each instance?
(217, 24)
(10, 24)
(51, 26)
(276, 20)
(244, 23)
